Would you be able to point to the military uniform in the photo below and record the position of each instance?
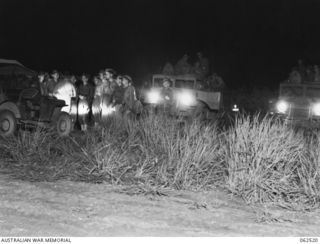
(129, 98)
(50, 84)
(96, 105)
(86, 94)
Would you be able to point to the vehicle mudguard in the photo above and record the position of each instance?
(206, 98)
(11, 107)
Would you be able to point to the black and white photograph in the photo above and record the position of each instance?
(159, 118)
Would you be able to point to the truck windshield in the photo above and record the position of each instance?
(313, 92)
(184, 84)
(294, 91)
(157, 82)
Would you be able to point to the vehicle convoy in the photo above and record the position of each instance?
(299, 104)
(191, 97)
(21, 102)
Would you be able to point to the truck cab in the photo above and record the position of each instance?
(191, 96)
(299, 104)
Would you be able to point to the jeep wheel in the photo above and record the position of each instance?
(64, 124)
(8, 123)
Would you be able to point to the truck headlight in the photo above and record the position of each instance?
(186, 99)
(154, 97)
(316, 109)
(282, 106)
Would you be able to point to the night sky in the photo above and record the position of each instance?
(248, 42)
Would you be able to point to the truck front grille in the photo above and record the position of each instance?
(299, 113)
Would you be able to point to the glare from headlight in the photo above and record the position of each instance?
(83, 108)
(282, 107)
(186, 99)
(154, 97)
(107, 110)
(316, 109)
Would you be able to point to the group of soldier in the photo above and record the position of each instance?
(200, 67)
(303, 73)
(94, 99)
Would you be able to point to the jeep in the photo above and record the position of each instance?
(22, 104)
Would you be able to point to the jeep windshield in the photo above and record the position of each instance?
(291, 91)
(189, 84)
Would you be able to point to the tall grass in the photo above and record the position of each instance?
(269, 162)
(259, 159)
(176, 154)
(32, 155)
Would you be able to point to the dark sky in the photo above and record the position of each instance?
(247, 41)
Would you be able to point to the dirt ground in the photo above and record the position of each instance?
(80, 209)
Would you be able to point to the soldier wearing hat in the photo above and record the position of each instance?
(43, 79)
(167, 94)
(130, 102)
(96, 105)
(86, 94)
(118, 91)
(52, 82)
(109, 74)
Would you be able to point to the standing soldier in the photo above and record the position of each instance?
(106, 99)
(130, 102)
(86, 93)
(167, 96)
(52, 82)
(118, 93)
(96, 105)
(108, 75)
(65, 90)
(43, 79)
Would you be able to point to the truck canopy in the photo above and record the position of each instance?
(13, 67)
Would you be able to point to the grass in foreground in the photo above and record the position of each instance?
(259, 159)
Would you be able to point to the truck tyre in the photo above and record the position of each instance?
(8, 123)
(64, 124)
(202, 112)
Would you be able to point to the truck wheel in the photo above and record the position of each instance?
(202, 112)
(64, 124)
(8, 123)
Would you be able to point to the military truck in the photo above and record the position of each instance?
(298, 104)
(191, 96)
(23, 105)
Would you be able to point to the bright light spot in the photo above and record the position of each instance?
(282, 107)
(65, 91)
(186, 99)
(154, 97)
(235, 108)
(107, 110)
(316, 109)
(83, 108)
